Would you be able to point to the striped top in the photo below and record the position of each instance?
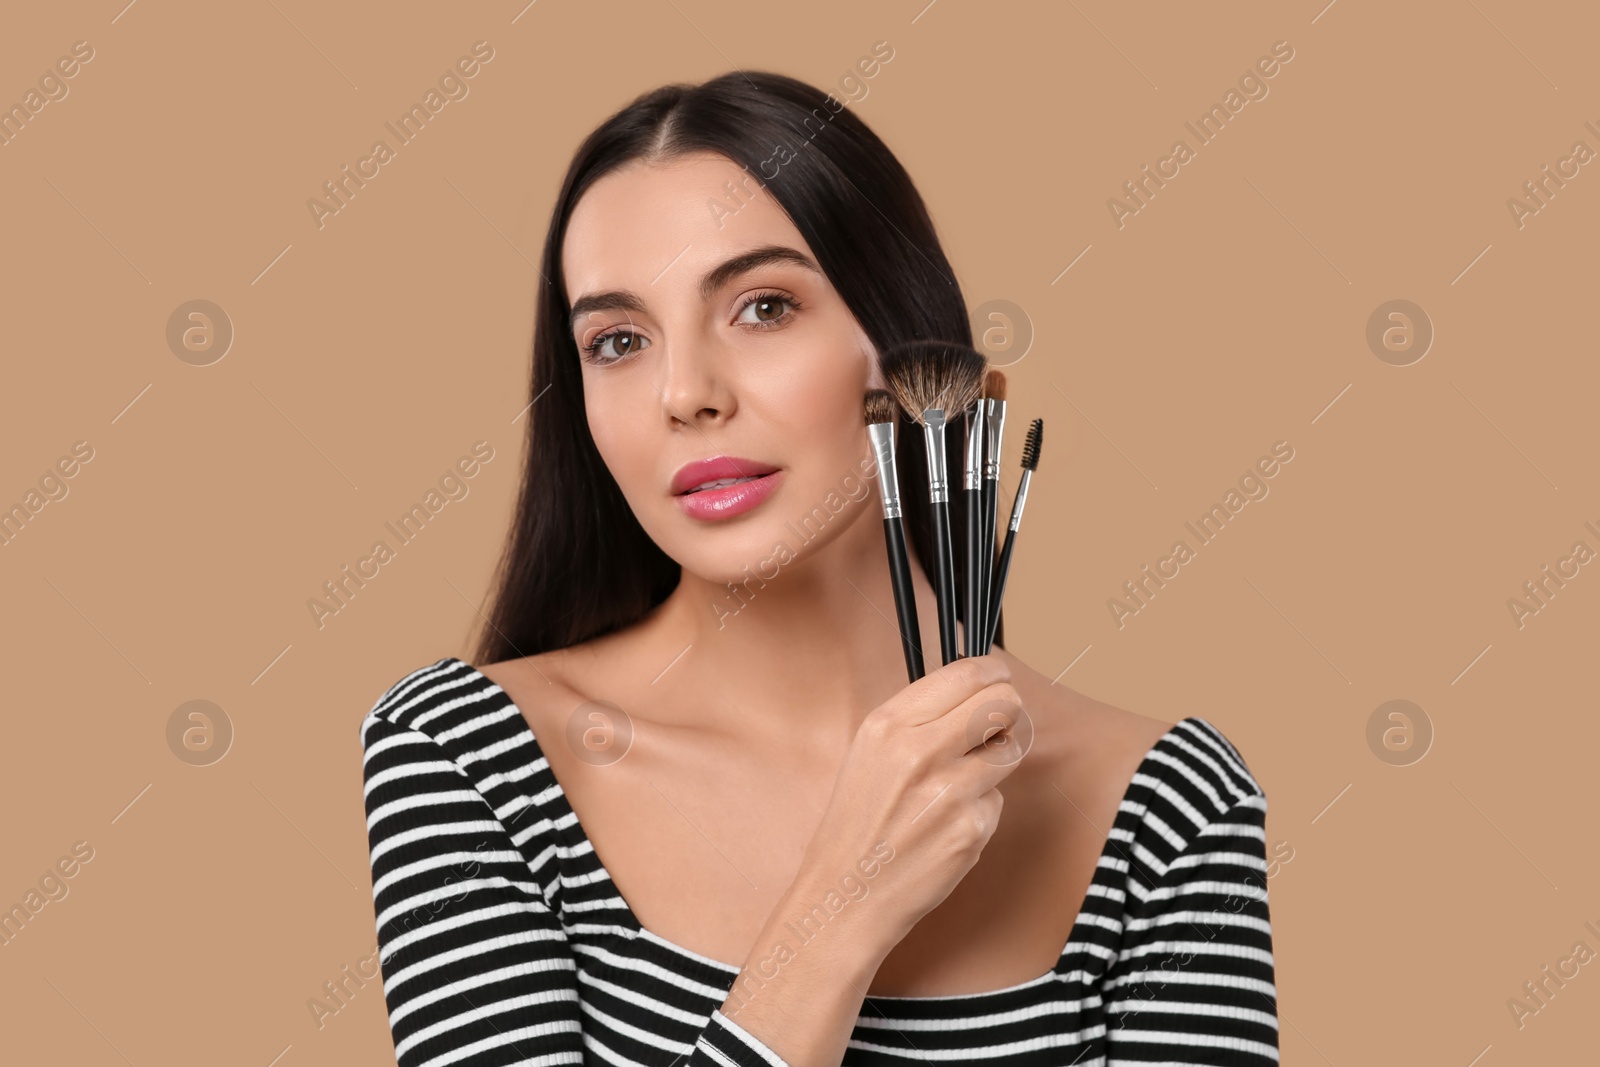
(503, 939)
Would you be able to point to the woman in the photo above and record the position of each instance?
(689, 810)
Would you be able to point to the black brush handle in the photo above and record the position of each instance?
(905, 597)
(991, 500)
(974, 604)
(945, 580)
(1000, 570)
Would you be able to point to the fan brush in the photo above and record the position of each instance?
(934, 380)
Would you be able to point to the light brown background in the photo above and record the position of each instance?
(1228, 314)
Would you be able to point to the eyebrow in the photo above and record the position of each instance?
(710, 282)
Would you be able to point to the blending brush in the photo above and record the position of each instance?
(993, 407)
(976, 604)
(881, 412)
(933, 380)
(1030, 463)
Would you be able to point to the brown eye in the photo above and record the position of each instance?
(767, 310)
(621, 342)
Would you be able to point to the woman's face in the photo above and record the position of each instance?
(704, 363)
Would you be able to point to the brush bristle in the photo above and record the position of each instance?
(994, 384)
(879, 406)
(1030, 445)
(934, 374)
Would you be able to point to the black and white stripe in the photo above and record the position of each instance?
(504, 941)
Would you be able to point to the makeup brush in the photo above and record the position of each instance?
(933, 380)
(976, 606)
(993, 406)
(1030, 463)
(881, 413)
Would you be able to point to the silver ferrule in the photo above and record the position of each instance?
(1022, 499)
(882, 434)
(995, 422)
(933, 434)
(973, 477)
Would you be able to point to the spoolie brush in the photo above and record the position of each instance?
(934, 380)
(993, 406)
(1030, 463)
(881, 412)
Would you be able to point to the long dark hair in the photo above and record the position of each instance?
(578, 564)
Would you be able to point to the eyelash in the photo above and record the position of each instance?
(591, 350)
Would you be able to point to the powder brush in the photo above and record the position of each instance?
(881, 412)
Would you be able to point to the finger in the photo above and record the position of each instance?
(935, 693)
(966, 725)
(1000, 734)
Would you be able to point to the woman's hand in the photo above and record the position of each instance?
(919, 785)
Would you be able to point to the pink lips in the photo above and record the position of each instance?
(729, 500)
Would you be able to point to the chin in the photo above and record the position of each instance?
(761, 551)
(753, 552)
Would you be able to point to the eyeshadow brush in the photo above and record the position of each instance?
(993, 406)
(933, 379)
(1030, 463)
(976, 605)
(881, 413)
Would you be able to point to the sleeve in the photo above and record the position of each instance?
(477, 971)
(1193, 982)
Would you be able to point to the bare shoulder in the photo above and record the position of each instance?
(1089, 748)
(547, 686)
(540, 685)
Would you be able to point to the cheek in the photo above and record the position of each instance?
(812, 414)
(826, 387)
(823, 411)
(619, 437)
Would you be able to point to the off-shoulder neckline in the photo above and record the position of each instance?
(631, 919)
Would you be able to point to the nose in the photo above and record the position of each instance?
(693, 389)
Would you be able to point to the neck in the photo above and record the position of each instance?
(810, 645)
